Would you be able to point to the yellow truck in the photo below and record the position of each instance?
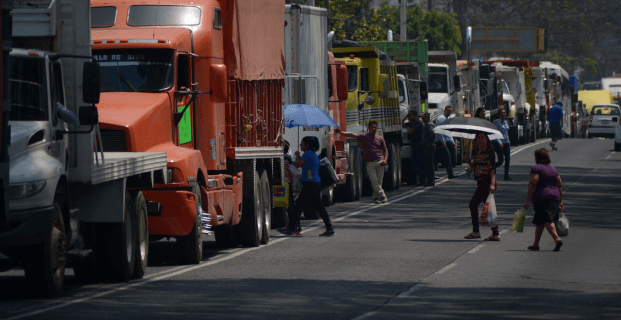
(593, 97)
(373, 95)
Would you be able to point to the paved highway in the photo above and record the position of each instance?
(403, 260)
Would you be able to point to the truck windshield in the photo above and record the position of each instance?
(505, 88)
(28, 90)
(149, 70)
(438, 80)
(352, 76)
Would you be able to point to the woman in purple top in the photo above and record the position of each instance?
(546, 192)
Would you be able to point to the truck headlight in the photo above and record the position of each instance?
(25, 190)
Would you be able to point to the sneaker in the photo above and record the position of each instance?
(376, 201)
(384, 200)
(290, 233)
(328, 233)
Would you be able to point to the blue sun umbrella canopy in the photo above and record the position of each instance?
(304, 115)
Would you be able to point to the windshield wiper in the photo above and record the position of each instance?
(129, 84)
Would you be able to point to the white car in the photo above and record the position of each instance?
(618, 135)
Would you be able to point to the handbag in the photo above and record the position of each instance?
(327, 174)
(562, 225)
(489, 216)
(519, 217)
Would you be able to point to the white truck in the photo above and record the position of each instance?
(70, 204)
(443, 83)
(514, 97)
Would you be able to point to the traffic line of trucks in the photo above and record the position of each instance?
(133, 122)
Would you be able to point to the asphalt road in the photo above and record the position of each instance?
(406, 259)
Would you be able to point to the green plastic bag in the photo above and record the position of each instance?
(519, 217)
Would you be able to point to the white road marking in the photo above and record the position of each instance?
(408, 292)
(477, 248)
(445, 269)
(365, 316)
(504, 231)
(608, 157)
(520, 149)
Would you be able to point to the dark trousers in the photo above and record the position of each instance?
(291, 211)
(479, 196)
(310, 197)
(443, 155)
(417, 162)
(504, 155)
(429, 165)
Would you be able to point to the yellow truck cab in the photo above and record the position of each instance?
(374, 95)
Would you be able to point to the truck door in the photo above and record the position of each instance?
(184, 103)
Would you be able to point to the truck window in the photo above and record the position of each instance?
(330, 68)
(28, 90)
(142, 70)
(401, 91)
(140, 16)
(352, 77)
(103, 17)
(183, 75)
(364, 80)
(438, 80)
(56, 88)
(505, 88)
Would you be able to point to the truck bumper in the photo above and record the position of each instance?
(178, 212)
(28, 227)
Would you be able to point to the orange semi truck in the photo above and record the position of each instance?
(201, 81)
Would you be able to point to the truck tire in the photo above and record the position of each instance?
(266, 204)
(358, 173)
(390, 177)
(399, 166)
(141, 235)
(252, 221)
(191, 246)
(513, 136)
(45, 270)
(279, 217)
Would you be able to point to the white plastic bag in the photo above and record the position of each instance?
(562, 225)
(489, 216)
(296, 179)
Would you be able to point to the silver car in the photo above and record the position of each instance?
(603, 120)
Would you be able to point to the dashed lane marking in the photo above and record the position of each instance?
(477, 248)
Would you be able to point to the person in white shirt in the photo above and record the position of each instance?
(445, 144)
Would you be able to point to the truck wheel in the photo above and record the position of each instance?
(141, 235)
(513, 136)
(266, 205)
(45, 272)
(122, 254)
(390, 177)
(191, 246)
(327, 196)
(399, 166)
(252, 220)
(358, 173)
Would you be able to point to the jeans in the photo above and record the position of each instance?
(310, 196)
(417, 163)
(443, 155)
(429, 164)
(504, 155)
(376, 175)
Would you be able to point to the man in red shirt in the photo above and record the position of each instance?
(375, 153)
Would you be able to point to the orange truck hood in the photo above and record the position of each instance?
(145, 116)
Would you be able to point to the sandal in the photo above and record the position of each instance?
(533, 248)
(473, 235)
(493, 238)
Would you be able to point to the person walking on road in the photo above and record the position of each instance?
(429, 147)
(555, 117)
(310, 196)
(375, 154)
(482, 164)
(445, 144)
(503, 146)
(545, 190)
(415, 134)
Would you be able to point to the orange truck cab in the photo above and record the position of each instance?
(201, 81)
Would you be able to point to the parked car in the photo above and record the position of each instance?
(602, 120)
(618, 135)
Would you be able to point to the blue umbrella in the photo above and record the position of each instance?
(303, 115)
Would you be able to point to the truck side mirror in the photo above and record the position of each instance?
(383, 86)
(369, 100)
(457, 83)
(91, 82)
(88, 116)
(342, 89)
(424, 93)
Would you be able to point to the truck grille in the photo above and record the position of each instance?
(114, 140)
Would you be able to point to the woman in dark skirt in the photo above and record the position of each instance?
(546, 192)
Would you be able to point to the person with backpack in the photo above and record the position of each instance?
(310, 196)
